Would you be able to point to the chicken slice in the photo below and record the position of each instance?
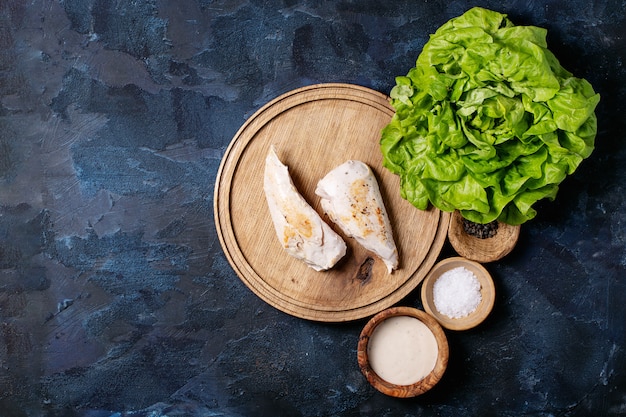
(352, 199)
(300, 229)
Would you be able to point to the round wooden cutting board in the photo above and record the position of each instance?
(314, 129)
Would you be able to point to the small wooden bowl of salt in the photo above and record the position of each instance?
(402, 352)
(459, 293)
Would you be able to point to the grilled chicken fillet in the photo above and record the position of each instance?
(300, 229)
(352, 199)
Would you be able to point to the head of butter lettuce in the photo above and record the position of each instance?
(487, 122)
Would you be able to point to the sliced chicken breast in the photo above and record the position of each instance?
(351, 199)
(300, 229)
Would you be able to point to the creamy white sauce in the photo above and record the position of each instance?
(402, 350)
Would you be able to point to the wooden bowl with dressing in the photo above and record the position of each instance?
(402, 352)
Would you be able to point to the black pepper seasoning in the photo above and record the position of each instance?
(481, 231)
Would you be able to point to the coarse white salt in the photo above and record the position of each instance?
(456, 293)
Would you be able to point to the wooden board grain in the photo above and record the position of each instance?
(314, 129)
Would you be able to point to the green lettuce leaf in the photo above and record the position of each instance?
(487, 122)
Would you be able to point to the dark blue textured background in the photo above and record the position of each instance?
(115, 296)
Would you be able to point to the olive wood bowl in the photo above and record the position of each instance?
(482, 250)
(487, 292)
(419, 387)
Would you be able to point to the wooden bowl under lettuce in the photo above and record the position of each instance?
(478, 249)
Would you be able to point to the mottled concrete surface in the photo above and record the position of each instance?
(115, 296)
